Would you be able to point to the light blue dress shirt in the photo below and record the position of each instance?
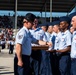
(57, 41)
(24, 38)
(73, 47)
(65, 39)
(38, 33)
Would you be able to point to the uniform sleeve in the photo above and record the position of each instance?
(69, 36)
(20, 38)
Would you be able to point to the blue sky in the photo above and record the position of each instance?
(36, 13)
(21, 13)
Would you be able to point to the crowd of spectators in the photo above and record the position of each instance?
(6, 22)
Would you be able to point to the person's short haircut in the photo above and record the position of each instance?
(30, 17)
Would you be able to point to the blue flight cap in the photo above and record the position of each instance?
(50, 24)
(72, 15)
(56, 23)
(65, 18)
(43, 24)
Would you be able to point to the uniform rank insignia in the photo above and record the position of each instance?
(20, 36)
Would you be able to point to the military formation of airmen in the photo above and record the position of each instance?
(59, 35)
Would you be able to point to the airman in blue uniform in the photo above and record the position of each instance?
(35, 59)
(23, 47)
(11, 45)
(63, 51)
(55, 69)
(45, 68)
(36, 56)
(73, 47)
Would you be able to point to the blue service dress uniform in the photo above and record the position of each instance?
(52, 54)
(45, 68)
(73, 54)
(24, 38)
(35, 59)
(11, 46)
(3, 43)
(56, 60)
(64, 58)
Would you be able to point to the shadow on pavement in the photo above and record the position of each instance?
(7, 73)
(3, 67)
(3, 70)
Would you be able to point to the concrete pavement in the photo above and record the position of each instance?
(6, 62)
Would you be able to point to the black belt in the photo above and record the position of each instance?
(22, 55)
(73, 58)
(62, 54)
